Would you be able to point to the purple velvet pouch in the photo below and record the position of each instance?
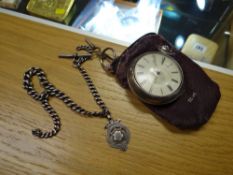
(200, 97)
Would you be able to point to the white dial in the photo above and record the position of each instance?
(158, 74)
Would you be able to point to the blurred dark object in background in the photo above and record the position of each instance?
(203, 17)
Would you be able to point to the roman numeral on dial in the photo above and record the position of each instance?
(161, 90)
(154, 60)
(169, 87)
(175, 81)
(175, 72)
(151, 89)
(146, 60)
(140, 73)
(143, 82)
(141, 66)
(163, 60)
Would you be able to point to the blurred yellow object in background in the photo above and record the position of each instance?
(57, 10)
(200, 48)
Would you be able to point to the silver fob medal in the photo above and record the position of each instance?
(118, 135)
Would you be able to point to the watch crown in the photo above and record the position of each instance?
(166, 50)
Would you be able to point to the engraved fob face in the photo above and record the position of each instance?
(156, 78)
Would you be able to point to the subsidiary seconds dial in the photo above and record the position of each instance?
(155, 78)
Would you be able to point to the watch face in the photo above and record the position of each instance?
(158, 74)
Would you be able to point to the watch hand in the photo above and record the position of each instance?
(153, 83)
(155, 62)
(154, 72)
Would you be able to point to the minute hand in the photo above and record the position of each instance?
(153, 83)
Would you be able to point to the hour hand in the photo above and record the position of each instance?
(155, 73)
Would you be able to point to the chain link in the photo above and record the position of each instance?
(51, 91)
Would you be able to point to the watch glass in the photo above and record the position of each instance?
(156, 74)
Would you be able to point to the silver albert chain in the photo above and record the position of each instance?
(118, 135)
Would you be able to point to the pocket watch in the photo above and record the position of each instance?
(155, 78)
